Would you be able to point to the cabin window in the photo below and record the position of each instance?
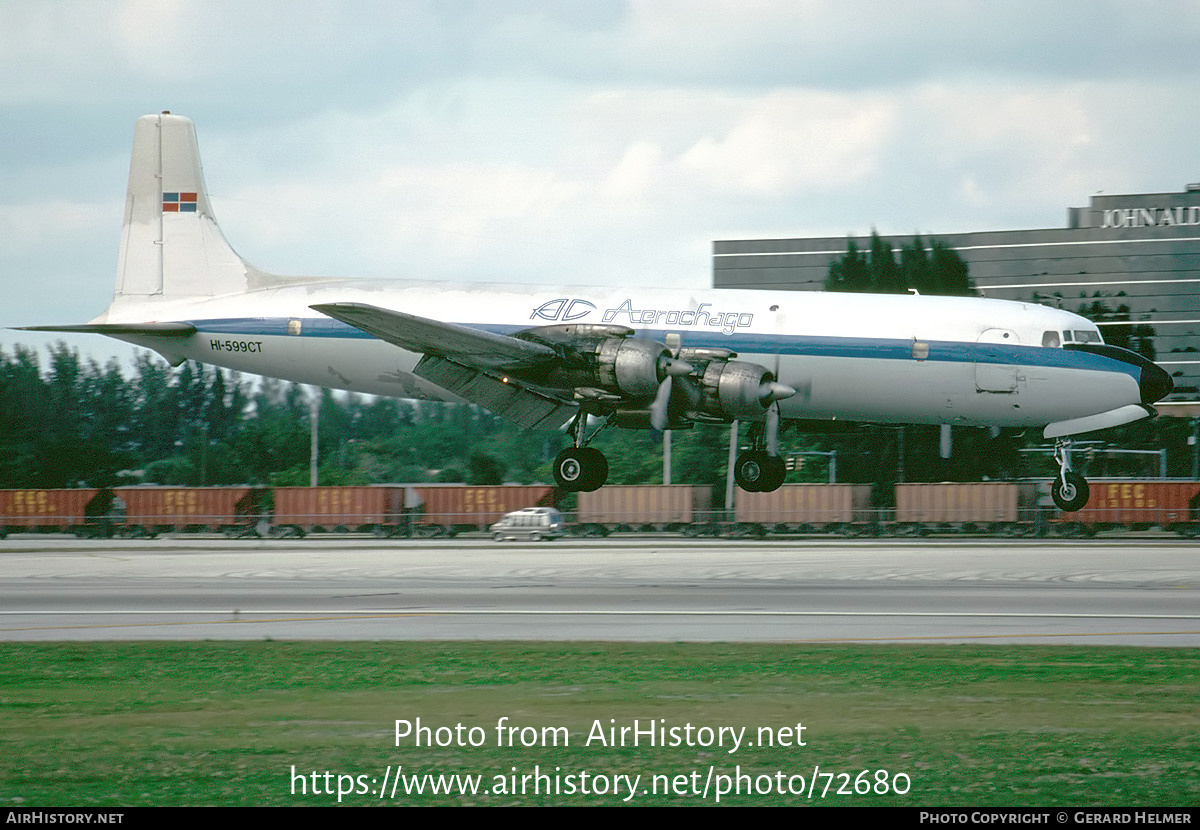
(1050, 339)
(293, 327)
(920, 350)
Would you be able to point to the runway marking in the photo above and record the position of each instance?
(992, 636)
(272, 617)
(576, 612)
(901, 639)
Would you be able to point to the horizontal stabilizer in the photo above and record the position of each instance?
(474, 347)
(118, 329)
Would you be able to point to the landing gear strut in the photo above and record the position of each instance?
(580, 468)
(1070, 489)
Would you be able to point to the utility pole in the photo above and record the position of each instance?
(314, 413)
(733, 441)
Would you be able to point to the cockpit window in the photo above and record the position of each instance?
(1050, 339)
(1087, 337)
(1066, 337)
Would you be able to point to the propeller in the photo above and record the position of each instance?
(670, 367)
(770, 394)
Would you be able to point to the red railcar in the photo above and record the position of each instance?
(799, 508)
(152, 510)
(46, 511)
(996, 507)
(338, 508)
(454, 508)
(1134, 504)
(644, 507)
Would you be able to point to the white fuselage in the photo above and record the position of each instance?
(858, 357)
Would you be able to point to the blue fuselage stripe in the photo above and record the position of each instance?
(743, 343)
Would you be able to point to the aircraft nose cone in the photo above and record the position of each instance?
(1155, 383)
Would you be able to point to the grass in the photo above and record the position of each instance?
(224, 723)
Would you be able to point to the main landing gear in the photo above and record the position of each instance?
(758, 470)
(1070, 489)
(581, 469)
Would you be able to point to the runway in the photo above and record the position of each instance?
(1129, 592)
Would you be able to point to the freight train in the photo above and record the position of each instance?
(992, 508)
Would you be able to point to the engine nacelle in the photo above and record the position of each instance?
(631, 366)
(735, 390)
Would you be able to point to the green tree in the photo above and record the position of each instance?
(938, 270)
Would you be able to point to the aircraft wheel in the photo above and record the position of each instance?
(774, 473)
(569, 470)
(750, 470)
(597, 466)
(580, 469)
(1070, 495)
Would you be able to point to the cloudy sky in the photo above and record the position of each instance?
(575, 141)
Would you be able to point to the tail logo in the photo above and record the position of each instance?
(179, 203)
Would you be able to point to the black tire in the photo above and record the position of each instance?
(580, 469)
(1070, 495)
(570, 470)
(597, 468)
(750, 470)
(775, 473)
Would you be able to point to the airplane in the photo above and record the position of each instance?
(592, 357)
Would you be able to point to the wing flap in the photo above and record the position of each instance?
(511, 401)
(433, 337)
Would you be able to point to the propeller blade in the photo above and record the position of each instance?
(662, 402)
(773, 429)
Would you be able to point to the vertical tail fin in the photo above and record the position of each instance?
(171, 246)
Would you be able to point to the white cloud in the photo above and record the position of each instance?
(795, 141)
(593, 142)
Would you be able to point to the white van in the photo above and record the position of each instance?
(532, 523)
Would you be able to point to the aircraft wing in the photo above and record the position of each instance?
(479, 349)
(468, 362)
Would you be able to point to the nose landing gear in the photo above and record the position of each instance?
(1069, 490)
